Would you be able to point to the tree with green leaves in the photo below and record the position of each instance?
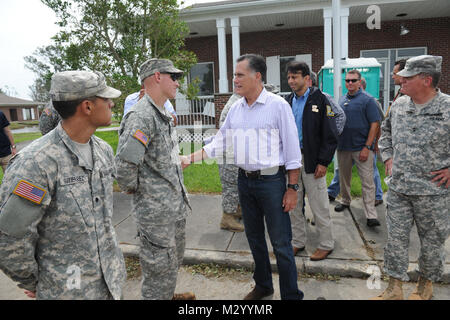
(114, 37)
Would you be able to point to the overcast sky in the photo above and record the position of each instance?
(26, 25)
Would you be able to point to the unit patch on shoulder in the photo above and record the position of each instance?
(142, 137)
(29, 191)
(330, 113)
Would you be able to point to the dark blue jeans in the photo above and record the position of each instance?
(261, 199)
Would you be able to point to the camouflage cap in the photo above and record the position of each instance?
(419, 64)
(75, 85)
(151, 66)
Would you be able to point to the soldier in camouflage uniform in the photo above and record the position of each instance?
(49, 119)
(57, 239)
(415, 148)
(148, 166)
(228, 173)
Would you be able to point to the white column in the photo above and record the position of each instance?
(344, 32)
(236, 40)
(327, 42)
(337, 77)
(222, 45)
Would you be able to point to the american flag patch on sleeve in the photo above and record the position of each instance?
(141, 137)
(29, 191)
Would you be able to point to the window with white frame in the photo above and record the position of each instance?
(276, 69)
(204, 71)
(387, 59)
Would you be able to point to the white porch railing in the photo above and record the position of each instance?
(190, 112)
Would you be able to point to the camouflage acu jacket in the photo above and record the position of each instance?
(56, 233)
(148, 164)
(49, 119)
(418, 141)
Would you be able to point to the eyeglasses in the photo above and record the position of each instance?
(351, 80)
(175, 76)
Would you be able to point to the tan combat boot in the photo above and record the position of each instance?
(423, 291)
(238, 213)
(229, 223)
(184, 296)
(394, 291)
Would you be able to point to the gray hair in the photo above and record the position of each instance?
(313, 77)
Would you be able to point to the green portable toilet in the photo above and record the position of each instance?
(370, 70)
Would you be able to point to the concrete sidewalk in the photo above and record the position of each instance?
(358, 249)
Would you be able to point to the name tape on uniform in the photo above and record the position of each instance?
(29, 191)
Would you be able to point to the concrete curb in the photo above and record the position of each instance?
(333, 267)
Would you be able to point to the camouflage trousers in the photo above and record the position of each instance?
(431, 216)
(161, 255)
(230, 197)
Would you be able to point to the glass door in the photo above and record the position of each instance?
(385, 76)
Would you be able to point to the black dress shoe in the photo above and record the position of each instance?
(341, 207)
(373, 222)
(258, 294)
(378, 202)
(331, 198)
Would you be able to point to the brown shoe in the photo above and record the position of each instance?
(320, 254)
(258, 294)
(184, 296)
(378, 202)
(297, 250)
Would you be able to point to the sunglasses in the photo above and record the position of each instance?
(175, 76)
(351, 80)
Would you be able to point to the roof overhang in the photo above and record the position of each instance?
(264, 15)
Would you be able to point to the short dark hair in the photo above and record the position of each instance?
(401, 64)
(354, 71)
(67, 109)
(256, 63)
(298, 66)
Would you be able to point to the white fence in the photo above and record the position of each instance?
(190, 112)
(200, 112)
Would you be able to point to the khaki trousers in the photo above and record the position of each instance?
(365, 171)
(316, 190)
(4, 162)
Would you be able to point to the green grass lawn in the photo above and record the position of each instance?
(356, 182)
(26, 136)
(204, 177)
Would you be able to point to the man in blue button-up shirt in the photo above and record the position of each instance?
(317, 133)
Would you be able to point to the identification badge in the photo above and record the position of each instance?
(330, 112)
(314, 108)
(142, 137)
(29, 191)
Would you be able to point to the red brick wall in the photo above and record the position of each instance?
(220, 100)
(431, 33)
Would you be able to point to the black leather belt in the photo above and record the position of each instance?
(256, 174)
